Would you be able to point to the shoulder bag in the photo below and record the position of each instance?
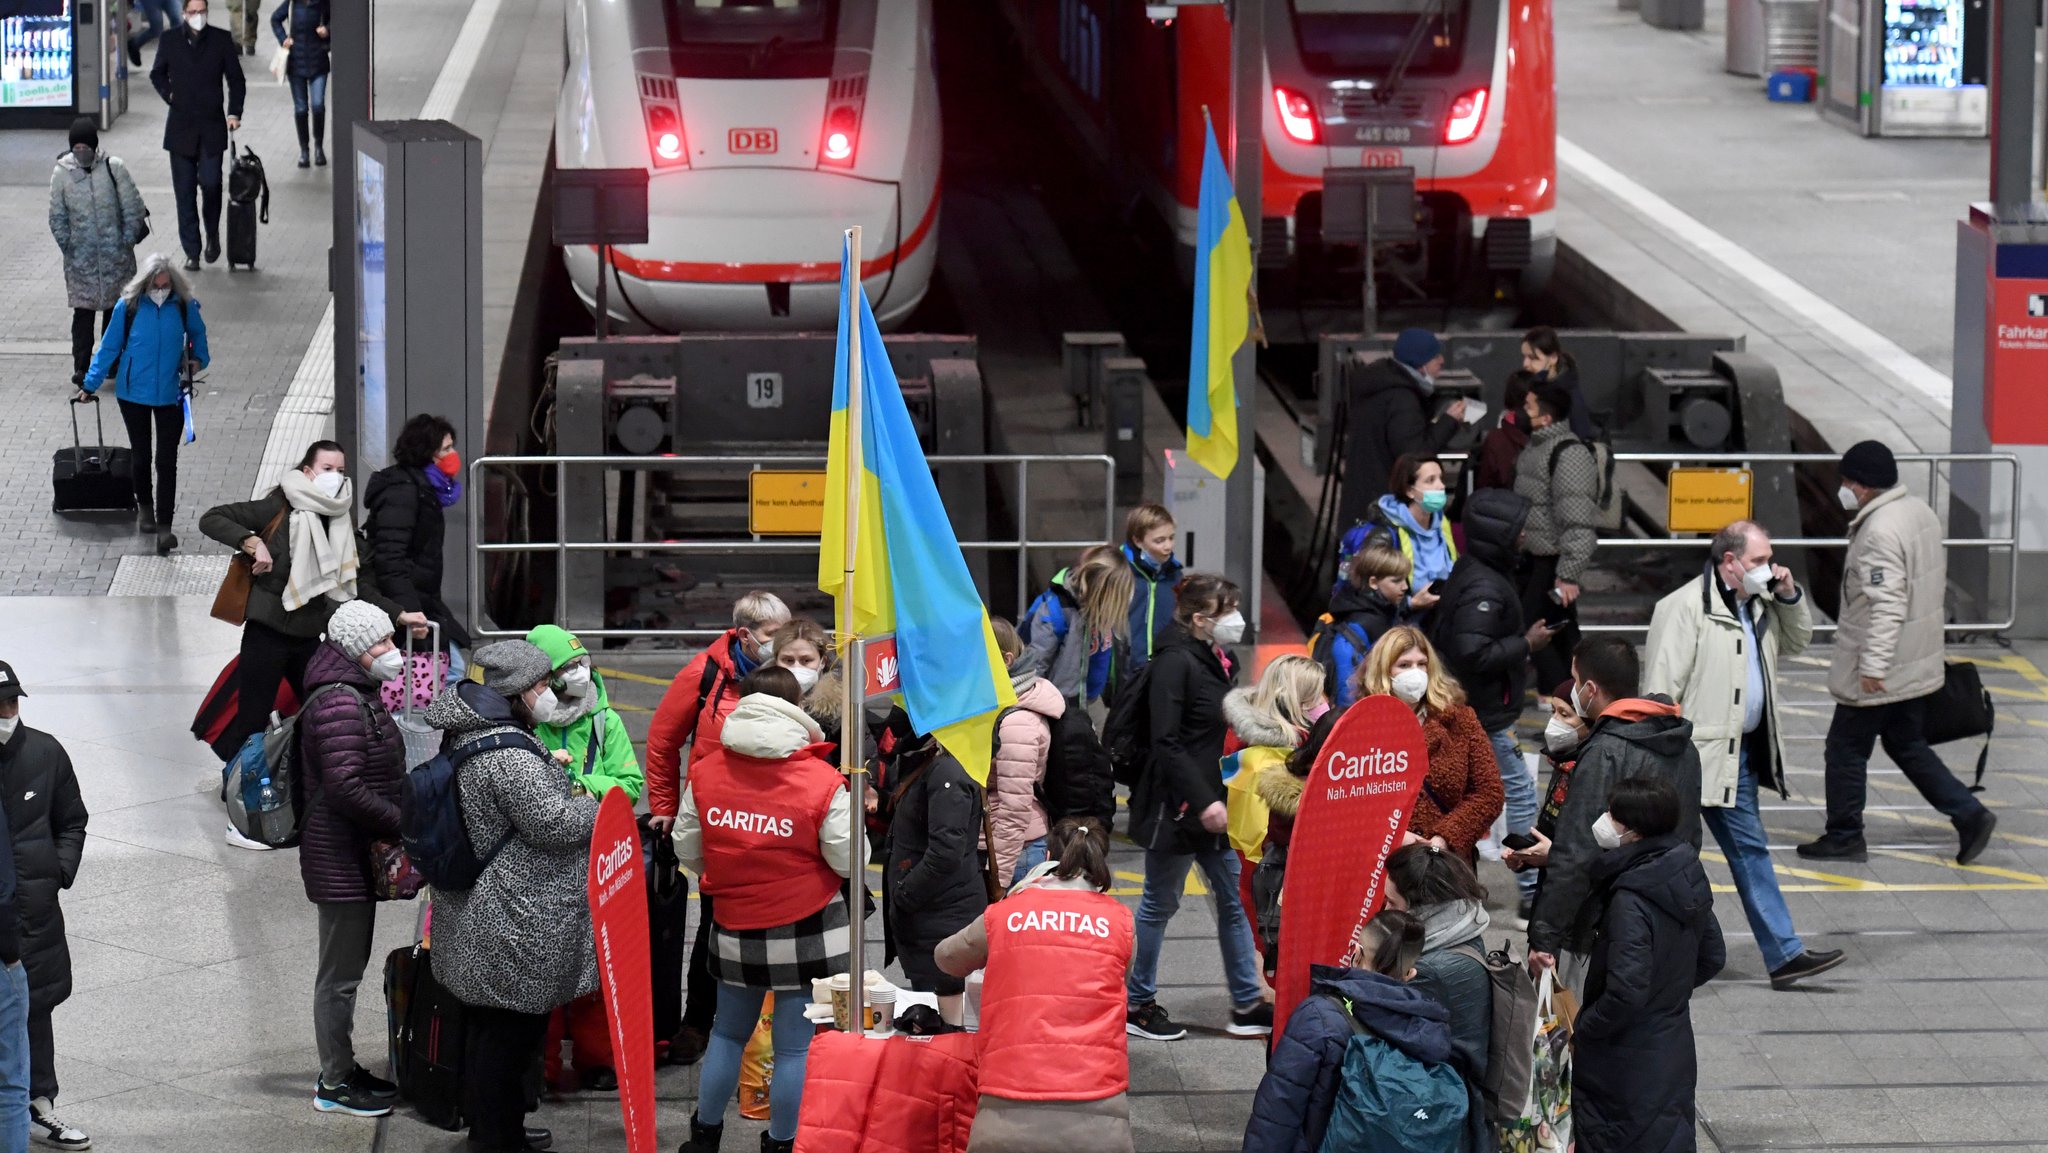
(231, 603)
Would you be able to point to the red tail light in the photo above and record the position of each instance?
(1297, 116)
(665, 135)
(1468, 112)
(841, 137)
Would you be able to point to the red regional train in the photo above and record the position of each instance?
(1462, 91)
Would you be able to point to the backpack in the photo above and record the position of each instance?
(1079, 780)
(430, 814)
(1267, 878)
(1606, 497)
(1509, 1058)
(1127, 733)
(1322, 649)
(1389, 1100)
(271, 757)
(247, 183)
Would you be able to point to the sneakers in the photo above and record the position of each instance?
(48, 1130)
(350, 1099)
(367, 1082)
(1975, 834)
(1835, 849)
(239, 841)
(1256, 1021)
(1151, 1022)
(1807, 964)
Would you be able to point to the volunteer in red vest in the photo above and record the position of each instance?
(765, 823)
(1055, 1060)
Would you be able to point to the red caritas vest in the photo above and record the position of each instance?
(760, 824)
(1052, 997)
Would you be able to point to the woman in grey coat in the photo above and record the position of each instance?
(518, 943)
(97, 216)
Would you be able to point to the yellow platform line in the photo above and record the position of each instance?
(1980, 870)
(636, 678)
(1943, 823)
(1838, 883)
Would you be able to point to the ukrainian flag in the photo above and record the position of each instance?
(1223, 278)
(908, 574)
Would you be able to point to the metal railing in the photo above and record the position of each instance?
(1935, 461)
(753, 545)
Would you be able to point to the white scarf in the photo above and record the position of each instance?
(322, 541)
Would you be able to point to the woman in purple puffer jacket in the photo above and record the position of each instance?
(352, 765)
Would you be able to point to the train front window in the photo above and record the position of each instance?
(1364, 39)
(752, 39)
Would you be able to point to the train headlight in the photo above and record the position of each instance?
(1297, 115)
(1467, 113)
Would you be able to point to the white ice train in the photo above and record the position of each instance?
(767, 127)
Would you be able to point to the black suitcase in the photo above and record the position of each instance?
(247, 187)
(668, 912)
(98, 477)
(426, 1037)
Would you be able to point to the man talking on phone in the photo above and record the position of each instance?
(1714, 648)
(1478, 628)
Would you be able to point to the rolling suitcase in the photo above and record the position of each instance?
(247, 186)
(98, 477)
(426, 1026)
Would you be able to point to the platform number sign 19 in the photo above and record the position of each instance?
(764, 390)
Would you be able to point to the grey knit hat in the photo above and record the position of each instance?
(356, 627)
(512, 667)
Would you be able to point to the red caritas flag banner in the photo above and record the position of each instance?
(618, 916)
(1353, 812)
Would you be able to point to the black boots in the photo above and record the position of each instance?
(771, 1145)
(299, 121)
(704, 1138)
(320, 136)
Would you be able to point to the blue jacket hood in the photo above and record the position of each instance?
(1406, 1018)
(1433, 558)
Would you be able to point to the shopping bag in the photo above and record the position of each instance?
(1248, 814)
(1546, 1122)
(757, 1064)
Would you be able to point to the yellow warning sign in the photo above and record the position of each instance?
(786, 503)
(1708, 499)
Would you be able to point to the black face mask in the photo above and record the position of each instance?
(85, 158)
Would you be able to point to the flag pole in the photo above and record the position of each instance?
(853, 732)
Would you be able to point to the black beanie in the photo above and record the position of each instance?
(85, 130)
(1870, 464)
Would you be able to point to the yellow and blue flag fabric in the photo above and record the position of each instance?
(909, 576)
(1223, 279)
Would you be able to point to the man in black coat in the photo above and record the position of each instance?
(1478, 628)
(1389, 417)
(191, 65)
(46, 827)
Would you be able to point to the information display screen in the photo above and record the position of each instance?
(36, 62)
(1923, 43)
(370, 314)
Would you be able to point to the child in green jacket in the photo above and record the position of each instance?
(582, 708)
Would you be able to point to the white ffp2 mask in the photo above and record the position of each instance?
(1757, 581)
(806, 678)
(1847, 496)
(1411, 684)
(388, 666)
(1229, 628)
(196, 22)
(1606, 832)
(1559, 737)
(329, 483)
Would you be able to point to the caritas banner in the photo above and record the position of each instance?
(1353, 813)
(618, 914)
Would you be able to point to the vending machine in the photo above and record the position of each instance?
(60, 59)
(1907, 67)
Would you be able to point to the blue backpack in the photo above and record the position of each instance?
(430, 815)
(1389, 1100)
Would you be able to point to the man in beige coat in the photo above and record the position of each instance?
(1714, 648)
(1888, 658)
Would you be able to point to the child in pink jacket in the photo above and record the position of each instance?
(1024, 740)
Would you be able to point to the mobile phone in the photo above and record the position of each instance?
(1519, 842)
(1556, 595)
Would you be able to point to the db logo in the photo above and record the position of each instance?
(750, 141)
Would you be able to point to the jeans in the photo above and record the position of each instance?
(160, 425)
(345, 932)
(1165, 875)
(190, 177)
(501, 1046)
(162, 16)
(1739, 830)
(269, 658)
(1028, 858)
(1898, 725)
(738, 1011)
(82, 342)
(1523, 801)
(14, 1060)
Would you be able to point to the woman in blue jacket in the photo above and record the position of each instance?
(155, 323)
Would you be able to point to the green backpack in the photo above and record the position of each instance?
(1389, 1100)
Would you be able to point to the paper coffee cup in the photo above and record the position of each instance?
(883, 998)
